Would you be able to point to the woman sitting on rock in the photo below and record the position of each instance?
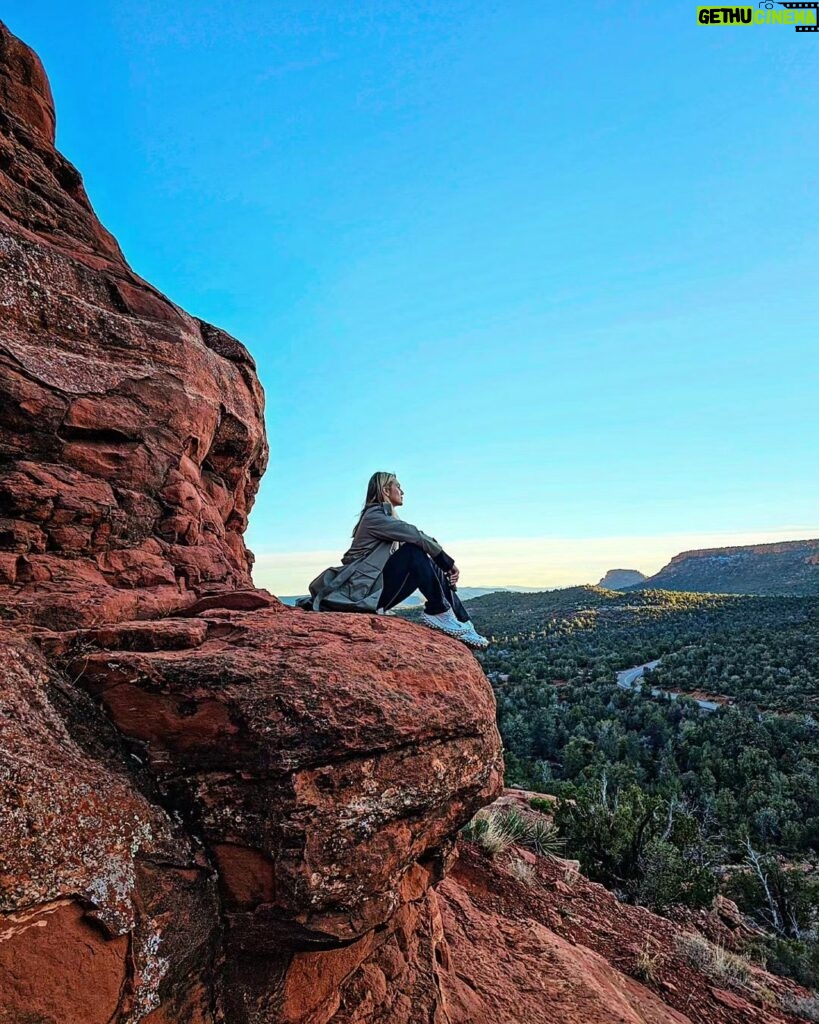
(387, 561)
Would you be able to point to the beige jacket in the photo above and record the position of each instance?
(356, 585)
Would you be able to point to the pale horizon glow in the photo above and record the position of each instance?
(546, 562)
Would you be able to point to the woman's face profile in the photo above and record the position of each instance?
(394, 493)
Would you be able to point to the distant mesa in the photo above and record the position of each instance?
(619, 579)
(786, 568)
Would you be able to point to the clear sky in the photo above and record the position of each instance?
(554, 264)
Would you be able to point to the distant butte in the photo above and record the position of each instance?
(618, 579)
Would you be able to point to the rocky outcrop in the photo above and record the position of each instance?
(528, 938)
(308, 773)
(108, 907)
(221, 797)
(619, 579)
(786, 568)
(214, 808)
(514, 937)
(131, 434)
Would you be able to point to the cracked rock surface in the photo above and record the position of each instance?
(131, 434)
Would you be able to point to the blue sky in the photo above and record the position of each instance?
(554, 264)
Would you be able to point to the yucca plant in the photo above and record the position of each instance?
(514, 825)
(495, 831)
(475, 829)
(545, 838)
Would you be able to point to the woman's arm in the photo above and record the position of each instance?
(386, 527)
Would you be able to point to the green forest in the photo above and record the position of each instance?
(664, 802)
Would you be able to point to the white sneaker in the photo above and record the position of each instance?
(445, 622)
(473, 638)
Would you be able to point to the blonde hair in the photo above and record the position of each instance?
(379, 482)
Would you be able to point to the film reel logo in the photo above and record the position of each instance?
(769, 5)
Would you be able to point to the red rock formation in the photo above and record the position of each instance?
(786, 568)
(558, 947)
(325, 761)
(105, 902)
(208, 798)
(131, 434)
(487, 947)
(619, 579)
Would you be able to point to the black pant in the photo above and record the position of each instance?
(410, 568)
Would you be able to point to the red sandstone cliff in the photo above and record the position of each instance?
(132, 438)
(200, 788)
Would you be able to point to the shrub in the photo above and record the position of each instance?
(495, 831)
(669, 879)
(792, 958)
(487, 831)
(640, 844)
(544, 838)
(522, 871)
(801, 1006)
(648, 964)
(715, 961)
(514, 825)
